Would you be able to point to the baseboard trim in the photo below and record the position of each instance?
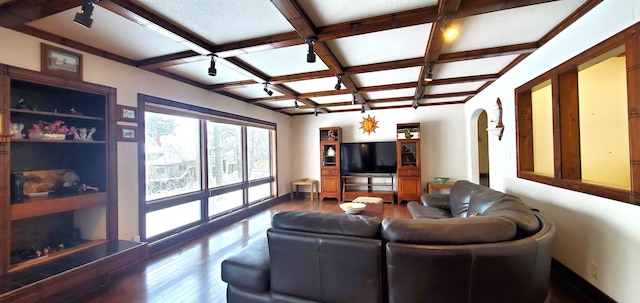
(580, 284)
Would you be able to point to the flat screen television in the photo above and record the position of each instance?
(368, 158)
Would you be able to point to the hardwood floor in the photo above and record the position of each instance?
(191, 273)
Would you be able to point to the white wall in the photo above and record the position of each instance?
(442, 138)
(24, 51)
(589, 229)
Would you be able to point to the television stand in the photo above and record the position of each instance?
(366, 185)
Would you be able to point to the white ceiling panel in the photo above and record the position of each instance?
(218, 21)
(400, 75)
(199, 71)
(390, 45)
(396, 93)
(253, 92)
(278, 104)
(343, 108)
(139, 42)
(332, 99)
(391, 103)
(277, 62)
(314, 85)
(472, 67)
(450, 88)
(512, 26)
(327, 12)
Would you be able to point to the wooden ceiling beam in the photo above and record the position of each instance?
(14, 15)
(516, 49)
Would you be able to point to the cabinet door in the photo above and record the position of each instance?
(409, 189)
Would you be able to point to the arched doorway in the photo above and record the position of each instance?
(483, 149)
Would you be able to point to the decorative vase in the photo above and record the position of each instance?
(331, 152)
(36, 135)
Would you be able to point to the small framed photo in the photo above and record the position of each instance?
(127, 133)
(60, 62)
(127, 113)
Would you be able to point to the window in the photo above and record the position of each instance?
(200, 164)
(578, 124)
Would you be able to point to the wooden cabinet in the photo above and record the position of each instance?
(68, 180)
(330, 138)
(408, 153)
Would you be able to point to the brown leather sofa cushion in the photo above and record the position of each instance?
(469, 230)
(328, 223)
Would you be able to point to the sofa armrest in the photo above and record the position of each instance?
(249, 268)
(448, 231)
(436, 200)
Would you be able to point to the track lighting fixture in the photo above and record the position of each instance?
(429, 76)
(212, 68)
(311, 54)
(295, 102)
(267, 90)
(315, 111)
(362, 109)
(449, 30)
(339, 84)
(415, 106)
(353, 101)
(83, 17)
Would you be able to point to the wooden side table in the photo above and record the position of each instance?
(431, 186)
(313, 187)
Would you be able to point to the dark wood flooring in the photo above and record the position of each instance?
(191, 272)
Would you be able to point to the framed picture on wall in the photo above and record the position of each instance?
(60, 62)
(127, 113)
(127, 133)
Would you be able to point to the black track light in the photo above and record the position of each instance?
(267, 90)
(339, 84)
(311, 54)
(296, 104)
(83, 17)
(315, 111)
(362, 109)
(429, 76)
(212, 68)
(353, 101)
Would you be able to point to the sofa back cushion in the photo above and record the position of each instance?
(324, 257)
(448, 231)
(470, 199)
(328, 223)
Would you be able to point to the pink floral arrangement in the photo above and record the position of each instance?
(56, 127)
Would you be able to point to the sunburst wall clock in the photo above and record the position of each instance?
(368, 124)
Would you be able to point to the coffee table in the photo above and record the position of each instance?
(370, 210)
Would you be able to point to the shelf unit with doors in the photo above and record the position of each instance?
(330, 138)
(408, 160)
(59, 200)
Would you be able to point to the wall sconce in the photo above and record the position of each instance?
(496, 114)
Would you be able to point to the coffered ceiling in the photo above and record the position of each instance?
(380, 49)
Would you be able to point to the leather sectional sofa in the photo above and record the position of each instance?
(472, 245)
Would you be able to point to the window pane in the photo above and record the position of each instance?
(259, 192)
(224, 153)
(604, 126)
(221, 203)
(259, 150)
(170, 218)
(172, 155)
(542, 120)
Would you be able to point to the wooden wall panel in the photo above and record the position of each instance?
(569, 125)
